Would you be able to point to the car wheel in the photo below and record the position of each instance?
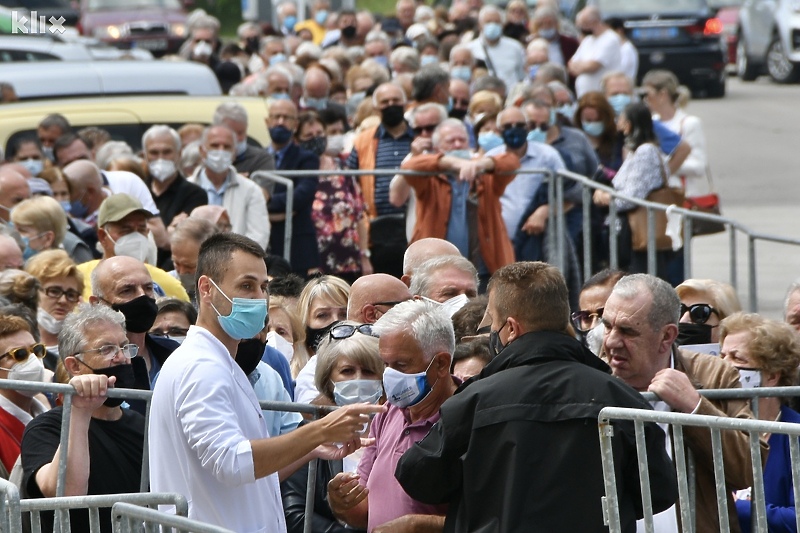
(779, 67)
(716, 89)
(744, 67)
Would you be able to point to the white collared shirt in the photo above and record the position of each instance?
(204, 414)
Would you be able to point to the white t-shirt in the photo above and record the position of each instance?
(629, 63)
(121, 181)
(604, 49)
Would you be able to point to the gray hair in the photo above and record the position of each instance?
(94, 280)
(793, 288)
(554, 71)
(232, 111)
(406, 56)
(111, 151)
(281, 71)
(421, 280)
(266, 41)
(425, 321)
(378, 36)
(486, 10)
(448, 123)
(207, 22)
(159, 130)
(246, 26)
(359, 348)
(665, 304)
(426, 80)
(488, 83)
(430, 106)
(59, 121)
(77, 325)
(545, 12)
(196, 229)
(190, 155)
(204, 137)
(307, 48)
(462, 48)
(557, 86)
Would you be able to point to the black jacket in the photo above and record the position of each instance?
(254, 159)
(517, 449)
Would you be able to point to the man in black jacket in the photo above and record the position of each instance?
(516, 449)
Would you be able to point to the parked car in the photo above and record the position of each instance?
(155, 25)
(54, 79)
(34, 48)
(128, 117)
(769, 40)
(727, 11)
(682, 36)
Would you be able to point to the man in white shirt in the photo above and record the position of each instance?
(504, 57)
(208, 438)
(598, 53)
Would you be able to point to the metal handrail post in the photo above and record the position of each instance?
(587, 232)
(10, 516)
(651, 242)
(613, 235)
(751, 273)
(287, 228)
(561, 231)
(64, 442)
(732, 244)
(687, 247)
(551, 213)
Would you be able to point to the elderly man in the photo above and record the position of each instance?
(420, 251)
(14, 189)
(122, 231)
(532, 416)
(417, 382)
(477, 231)
(210, 442)
(172, 193)
(203, 42)
(124, 284)
(105, 441)
(641, 325)
(282, 123)
(461, 63)
(791, 306)
(21, 359)
(431, 84)
(316, 89)
(504, 57)
(444, 278)
(560, 47)
(459, 92)
(185, 243)
(241, 198)
(249, 158)
(287, 17)
(598, 53)
(49, 130)
(279, 83)
(10, 253)
(68, 148)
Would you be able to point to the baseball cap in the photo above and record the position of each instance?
(118, 206)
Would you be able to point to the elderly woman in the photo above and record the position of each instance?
(41, 222)
(349, 370)
(704, 303)
(285, 328)
(216, 214)
(767, 354)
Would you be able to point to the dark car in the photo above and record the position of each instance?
(682, 36)
(155, 25)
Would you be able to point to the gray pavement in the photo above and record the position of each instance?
(753, 139)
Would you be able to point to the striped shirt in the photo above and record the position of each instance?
(390, 154)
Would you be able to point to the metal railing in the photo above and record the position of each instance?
(289, 184)
(129, 518)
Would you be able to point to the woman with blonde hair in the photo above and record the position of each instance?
(286, 332)
(41, 222)
(704, 304)
(484, 102)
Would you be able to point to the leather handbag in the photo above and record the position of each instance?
(637, 218)
(708, 203)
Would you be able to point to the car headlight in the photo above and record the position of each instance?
(111, 31)
(178, 29)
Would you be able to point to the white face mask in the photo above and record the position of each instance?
(406, 390)
(218, 160)
(452, 305)
(48, 322)
(750, 378)
(594, 339)
(34, 166)
(357, 391)
(137, 246)
(280, 344)
(335, 145)
(162, 169)
(202, 49)
(31, 369)
(178, 338)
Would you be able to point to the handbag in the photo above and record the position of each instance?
(708, 203)
(637, 218)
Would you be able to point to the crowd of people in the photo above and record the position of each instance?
(468, 372)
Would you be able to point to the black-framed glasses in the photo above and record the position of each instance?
(698, 313)
(419, 130)
(506, 127)
(56, 292)
(586, 320)
(110, 351)
(174, 331)
(22, 353)
(344, 331)
(544, 126)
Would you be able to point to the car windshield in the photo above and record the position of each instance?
(717, 4)
(617, 7)
(104, 5)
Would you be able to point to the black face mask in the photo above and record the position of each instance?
(125, 380)
(515, 137)
(314, 336)
(249, 354)
(689, 333)
(349, 32)
(140, 313)
(458, 113)
(317, 145)
(251, 45)
(392, 115)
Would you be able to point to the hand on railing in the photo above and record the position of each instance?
(601, 198)
(90, 391)
(536, 223)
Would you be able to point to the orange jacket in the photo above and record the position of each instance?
(366, 146)
(434, 195)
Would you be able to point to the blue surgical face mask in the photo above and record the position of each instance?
(321, 17)
(247, 316)
(489, 140)
(428, 60)
(568, 110)
(532, 70)
(316, 103)
(34, 166)
(382, 61)
(460, 154)
(406, 390)
(277, 58)
(537, 136)
(279, 96)
(47, 151)
(552, 119)
(619, 102)
(241, 147)
(547, 33)
(492, 31)
(28, 252)
(66, 205)
(462, 72)
(289, 22)
(78, 210)
(595, 129)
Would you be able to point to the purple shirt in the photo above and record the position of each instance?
(394, 433)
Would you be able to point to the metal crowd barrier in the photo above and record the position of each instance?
(129, 518)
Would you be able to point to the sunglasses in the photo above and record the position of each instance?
(460, 102)
(55, 293)
(506, 127)
(345, 331)
(389, 304)
(586, 320)
(419, 130)
(544, 126)
(22, 353)
(698, 313)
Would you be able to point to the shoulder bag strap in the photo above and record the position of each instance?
(488, 59)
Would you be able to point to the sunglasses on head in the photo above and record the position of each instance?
(345, 331)
(22, 353)
(698, 313)
(586, 320)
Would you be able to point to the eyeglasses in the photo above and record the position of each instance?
(110, 351)
(506, 127)
(389, 304)
(460, 102)
(586, 320)
(55, 293)
(22, 353)
(544, 126)
(344, 331)
(698, 313)
(419, 130)
(171, 332)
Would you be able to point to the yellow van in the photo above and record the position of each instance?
(126, 118)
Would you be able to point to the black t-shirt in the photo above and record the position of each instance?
(115, 460)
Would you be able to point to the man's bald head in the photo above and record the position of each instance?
(373, 295)
(83, 173)
(20, 169)
(120, 279)
(420, 251)
(316, 83)
(14, 188)
(10, 253)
